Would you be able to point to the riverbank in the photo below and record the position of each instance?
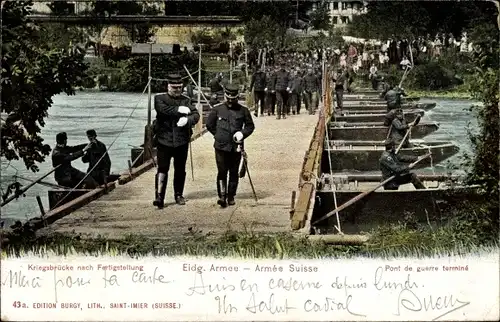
(454, 93)
(405, 239)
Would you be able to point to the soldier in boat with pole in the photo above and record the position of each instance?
(392, 164)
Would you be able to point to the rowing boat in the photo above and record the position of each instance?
(379, 110)
(375, 99)
(371, 107)
(360, 131)
(382, 207)
(365, 155)
(375, 117)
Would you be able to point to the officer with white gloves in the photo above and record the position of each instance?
(230, 123)
(175, 118)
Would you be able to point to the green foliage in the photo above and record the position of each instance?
(256, 35)
(139, 32)
(34, 69)
(433, 76)
(400, 19)
(213, 42)
(320, 17)
(398, 240)
(135, 75)
(484, 163)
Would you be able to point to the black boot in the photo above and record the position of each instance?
(231, 192)
(156, 189)
(222, 192)
(161, 185)
(179, 181)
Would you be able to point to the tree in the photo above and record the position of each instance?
(483, 85)
(320, 17)
(33, 71)
(409, 19)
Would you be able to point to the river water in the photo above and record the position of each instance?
(119, 120)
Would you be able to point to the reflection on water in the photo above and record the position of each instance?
(108, 112)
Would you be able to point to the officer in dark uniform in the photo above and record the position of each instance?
(258, 85)
(282, 80)
(66, 175)
(311, 89)
(98, 158)
(175, 117)
(340, 80)
(270, 92)
(230, 123)
(392, 164)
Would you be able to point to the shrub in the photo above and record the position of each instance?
(433, 76)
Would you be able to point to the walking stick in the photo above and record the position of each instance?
(191, 157)
(245, 169)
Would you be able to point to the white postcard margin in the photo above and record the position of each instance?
(106, 288)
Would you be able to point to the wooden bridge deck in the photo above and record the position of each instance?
(276, 154)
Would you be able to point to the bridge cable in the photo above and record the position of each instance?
(333, 185)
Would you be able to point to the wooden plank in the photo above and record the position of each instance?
(311, 169)
(299, 215)
(67, 208)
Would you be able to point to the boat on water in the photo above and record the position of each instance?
(374, 131)
(410, 115)
(379, 110)
(375, 99)
(365, 155)
(372, 107)
(381, 207)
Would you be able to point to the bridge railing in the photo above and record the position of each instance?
(311, 170)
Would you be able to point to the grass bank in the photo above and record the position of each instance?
(454, 93)
(398, 240)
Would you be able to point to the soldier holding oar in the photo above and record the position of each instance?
(399, 129)
(392, 166)
(394, 175)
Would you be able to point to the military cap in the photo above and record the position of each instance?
(61, 137)
(231, 90)
(174, 79)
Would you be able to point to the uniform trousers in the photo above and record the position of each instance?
(339, 96)
(179, 154)
(404, 179)
(259, 97)
(310, 99)
(281, 100)
(270, 102)
(227, 162)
